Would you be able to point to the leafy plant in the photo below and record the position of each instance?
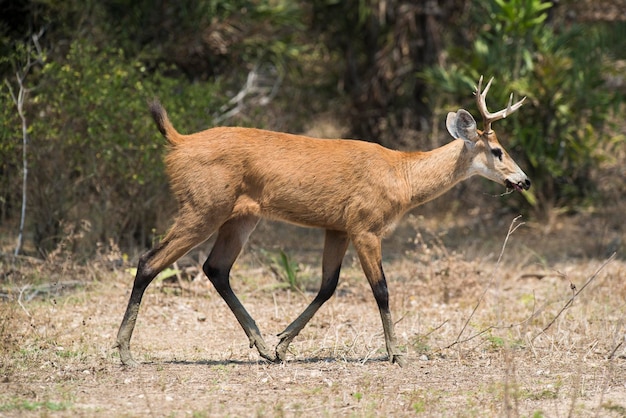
(561, 133)
(93, 138)
(286, 269)
(418, 407)
(358, 396)
(496, 342)
(290, 269)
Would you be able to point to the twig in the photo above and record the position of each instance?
(434, 329)
(610, 356)
(618, 328)
(575, 294)
(19, 300)
(512, 228)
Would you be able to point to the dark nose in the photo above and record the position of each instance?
(527, 184)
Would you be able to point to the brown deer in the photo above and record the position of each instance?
(225, 179)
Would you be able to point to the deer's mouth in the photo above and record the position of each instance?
(519, 186)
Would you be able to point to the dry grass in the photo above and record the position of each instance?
(534, 330)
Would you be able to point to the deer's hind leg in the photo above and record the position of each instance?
(182, 237)
(230, 240)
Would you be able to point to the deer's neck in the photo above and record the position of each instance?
(433, 173)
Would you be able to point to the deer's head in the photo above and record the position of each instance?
(488, 158)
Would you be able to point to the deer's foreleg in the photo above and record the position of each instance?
(335, 246)
(368, 247)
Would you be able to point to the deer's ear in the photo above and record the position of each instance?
(462, 125)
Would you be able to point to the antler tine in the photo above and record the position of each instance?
(510, 109)
(488, 117)
(479, 90)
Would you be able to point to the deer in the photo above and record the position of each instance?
(225, 179)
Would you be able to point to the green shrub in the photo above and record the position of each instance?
(96, 157)
(560, 132)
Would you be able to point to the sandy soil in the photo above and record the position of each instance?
(473, 331)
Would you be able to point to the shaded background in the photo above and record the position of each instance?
(383, 71)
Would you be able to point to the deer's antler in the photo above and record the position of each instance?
(488, 117)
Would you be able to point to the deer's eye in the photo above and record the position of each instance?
(497, 152)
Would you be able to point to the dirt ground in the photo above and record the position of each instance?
(537, 334)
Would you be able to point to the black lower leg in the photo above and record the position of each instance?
(381, 294)
(142, 279)
(326, 291)
(220, 280)
(335, 246)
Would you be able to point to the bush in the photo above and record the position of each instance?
(560, 132)
(96, 157)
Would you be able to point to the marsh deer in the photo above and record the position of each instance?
(226, 179)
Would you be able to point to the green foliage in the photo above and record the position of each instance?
(496, 343)
(212, 36)
(418, 407)
(285, 268)
(28, 405)
(290, 270)
(94, 138)
(561, 130)
(519, 17)
(96, 157)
